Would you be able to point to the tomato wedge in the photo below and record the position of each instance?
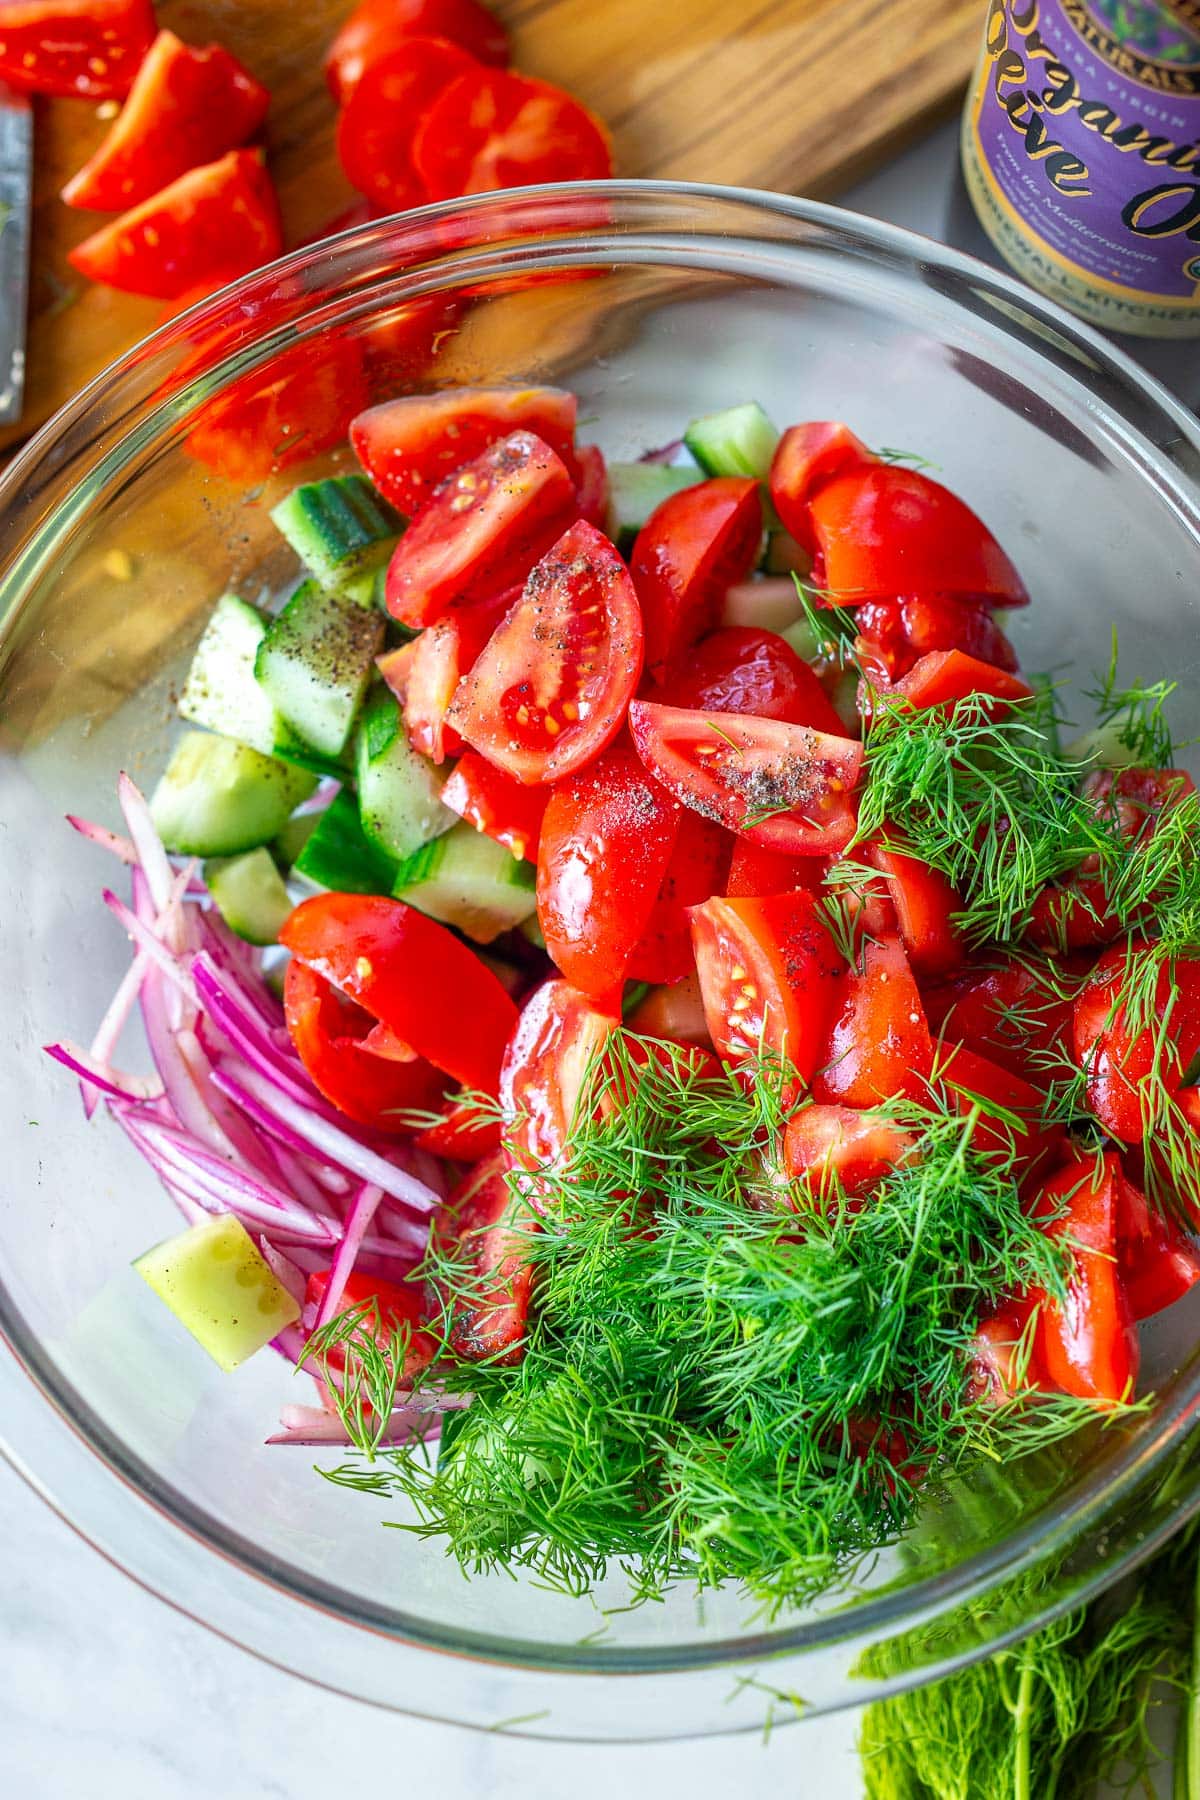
(490, 130)
(1087, 1345)
(697, 870)
(785, 787)
(1017, 1014)
(926, 905)
(834, 1149)
(558, 1038)
(1118, 1058)
(188, 105)
(768, 973)
(377, 27)
(462, 1134)
(407, 446)
(879, 1047)
(550, 690)
(212, 224)
(894, 634)
(481, 530)
(496, 804)
(1158, 1265)
(592, 485)
(439, 659)
(754, 873)
(806, 457)
(743, 670)
(882, 530)
(1005, 1357)
(381, 119)
(297, 405)
(399, 1306)
(1009, 1125)
(412, 974)
(694, 545)
(328, 1031)
(487, 1230)
(76, 47)
(945, 677)
(606, 841)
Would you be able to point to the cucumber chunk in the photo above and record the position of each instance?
(399, 790)
(469, 881)
(286, 847)
(250, 894)
(315, 662)
(221, 692)
(220, 1288)
(217, 797)
(770, 605)
(635, 489)
(342, 532)
(739, 441)
(1102, 748)
(340, 855)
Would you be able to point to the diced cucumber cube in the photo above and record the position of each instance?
(340, 855)
(218, 1285)
(291, 840)
(342, 532)
(315, 662)
(739, 441)
(250, 894)
(1102, 748)
(221, 692)
(469, 881)
(399, 790)
(770, 605)
(635, 489)
(217, 797)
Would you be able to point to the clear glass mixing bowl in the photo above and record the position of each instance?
(655, 302)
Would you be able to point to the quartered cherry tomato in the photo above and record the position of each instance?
(381, 119)
(743, 670)
(1119, 1054)
(328, 1031)
(606, 842)
(768, 973)
(1010, 1123)
(189, 104)
(926, 906)
(443, 653)
(407, 446)
(696, 871)
(944, 677)
(1087, 1346)
(462, 1134)
(1158, 1264)
(557, 1040)
(410, 973)
(878, 1046)
(377, 27)
(482, 530)
(694, 545)
(785, 787)
(1005, 1359)
(213, 223)
(76, 47)
(497, 804)
(805, 458)
(1018, 1014)
(754, 872)
(896, 633)
(592, 485)
(549, 692)
(489, 129)
(387, 1308)
(486, 1228)
(295, 406)
(882, 530)
(837, 1150)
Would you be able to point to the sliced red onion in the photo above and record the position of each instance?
(147, 939)
(361, 1213)
(308, 1425)
(666, 453)
(287, 1272)
(151, 856)
(112, 1024)
(121, 847)
(219, 1186)
(182, 1089)
(101, 1075)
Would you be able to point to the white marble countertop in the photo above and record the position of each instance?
(107, 1694)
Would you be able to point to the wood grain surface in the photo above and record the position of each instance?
(796, 95)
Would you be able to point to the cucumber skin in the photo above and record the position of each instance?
(339, 854)
(221, 693)
(636, 489)
(218, 797)
(398, 790)
(342, 531)
(315, 662)
(469, 882)
(740, 441)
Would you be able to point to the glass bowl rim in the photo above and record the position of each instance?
(333, 258)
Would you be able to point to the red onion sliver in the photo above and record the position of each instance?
(101, 1075)
(359, 1217)
(287, 1273)
(121, 847)
(151, 856)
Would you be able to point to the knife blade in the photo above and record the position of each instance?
(16, 179)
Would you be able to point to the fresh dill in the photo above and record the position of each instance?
(1136, 715)
(712, 1388)
(832, 629)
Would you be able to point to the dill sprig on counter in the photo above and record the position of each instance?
(714, 1387)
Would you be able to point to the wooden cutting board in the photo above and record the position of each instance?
(796, 95)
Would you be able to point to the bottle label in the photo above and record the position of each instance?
(1082, 143)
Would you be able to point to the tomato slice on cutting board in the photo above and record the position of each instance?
(380, 121)
(768, 974)
(188, 105)
(408, 445)
(377, 27)
(328, 1031)
(606, 842)
(481, 531)
(411, 974)
(489, 129)
(785, 787)
(88, 48)
(550, 689)
(214, 223)
(694, 545)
